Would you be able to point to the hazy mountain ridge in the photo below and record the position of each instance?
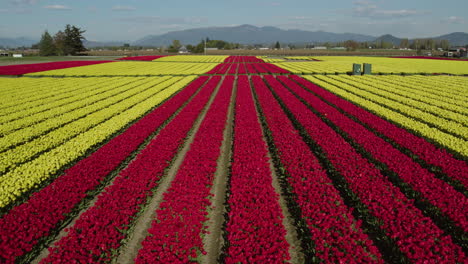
(246, 34)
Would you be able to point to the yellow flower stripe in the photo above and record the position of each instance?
(193, 58)
(130, 88)
(133, 68)
(10, 158)
(23, 113)
(404, 86)
(394, 92)
(301, 67)
(397, 65)
(299, 58)
(343, 64)
(31, 174)
(447, 84)
(452, 142)
(270, 60)
(27, 92)
(428, 87)
(363, 90)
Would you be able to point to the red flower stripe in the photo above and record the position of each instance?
(333, 227)
(241, 69)
(243, 59)
(142, 58)
(436, 191)
(255, 232)
(24, 225)
(250, 68)
(39, 67)
(418, 237)
(234, 68)
(176, 233)
(98, 230)
(222, 68)
(455, 169)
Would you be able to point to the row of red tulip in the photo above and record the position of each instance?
(39, 67)
(23, 226)
(416, 235)
(254, 229)
(436, 191)
(332, 226)
(223, 68)
(99, 231)
(452, 167)
(176, 233)
(242, 59)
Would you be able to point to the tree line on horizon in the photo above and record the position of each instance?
(66, 42)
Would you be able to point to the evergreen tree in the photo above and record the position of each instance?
(73, 40)
(59, 41)
(277, 45)
(46, 45)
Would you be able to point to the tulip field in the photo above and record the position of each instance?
(234, 159)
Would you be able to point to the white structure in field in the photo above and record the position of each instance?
(17, 55)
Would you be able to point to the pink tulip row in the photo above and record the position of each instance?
(99, 230)
(436, 191)
(176, 233)
(332, 226)
(255, 233)
(243, 59)
(417, 236)
(142, 58)
(455, 169)
(23, 226)
(39, 67)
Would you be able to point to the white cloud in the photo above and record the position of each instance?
(163, 20)
(454, 20)
(24, 2)
(57, 7)
(123, 8)
(370, 9)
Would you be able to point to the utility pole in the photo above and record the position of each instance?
(205, 46)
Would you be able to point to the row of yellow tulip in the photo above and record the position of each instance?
(40, 101)
(343, 64)
(394, 92)
(133, 68)
(426, 89)
(29, 113)
(270, 60)
(29, 92)
(446, 84)
(372, 104)
(18, 155)
(192, 58)
(31, 174)
(424, 116)
(87, 109)
(401, 65)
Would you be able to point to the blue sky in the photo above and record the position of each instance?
(106, 20)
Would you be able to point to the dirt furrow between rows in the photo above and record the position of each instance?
(130, 250)
(214, 241)
(110, 179)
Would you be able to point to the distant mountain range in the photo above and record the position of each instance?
(16, 42)
(246, 34)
